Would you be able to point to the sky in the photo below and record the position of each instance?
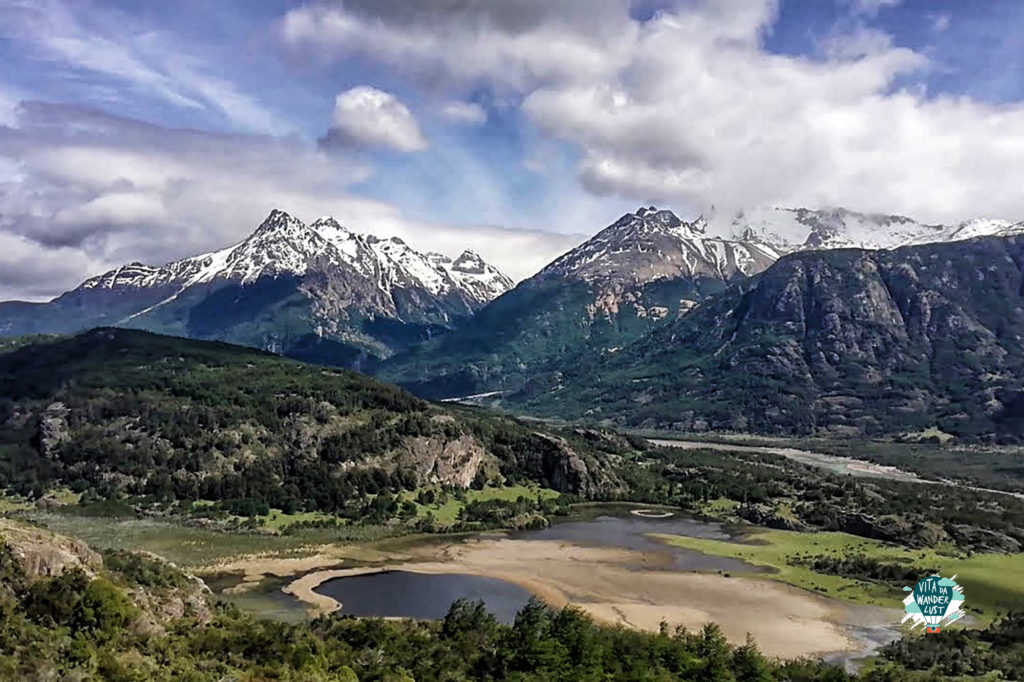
(148, 131)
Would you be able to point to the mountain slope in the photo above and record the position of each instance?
(630, 277)
(847, 341)
(801, 229)
(318, 292)
(124, 412)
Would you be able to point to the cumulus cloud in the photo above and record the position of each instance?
(464, 113)
(27, 268)
(368, 117)
(83, 191)
(689, 107)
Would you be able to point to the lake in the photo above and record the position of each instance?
(396, 593)
(418, 595)
(626, 531)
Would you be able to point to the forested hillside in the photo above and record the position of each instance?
(120, 412)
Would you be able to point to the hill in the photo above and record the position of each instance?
(122, 412)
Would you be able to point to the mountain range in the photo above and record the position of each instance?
(632, 276)
(802, 321)
(318, 292)
(639, 274)
(844, 342)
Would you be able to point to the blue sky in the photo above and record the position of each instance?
(512, 128)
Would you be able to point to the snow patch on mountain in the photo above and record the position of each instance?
(801, 229)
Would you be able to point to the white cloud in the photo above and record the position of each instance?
(23, 261)
(690, 108)
(148, 62)
(367, 117)
(513, 43)
(82, 192)
(872, 7)
(464, 113)
(9, 100)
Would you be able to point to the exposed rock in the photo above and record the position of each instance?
(450, 463)
(352, 298)
(44, 554)
(632, 276)
(843, 342)
(762, 515)
(985, 540)
(53, 429)
(559, 466)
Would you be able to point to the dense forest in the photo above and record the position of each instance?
(769, 490)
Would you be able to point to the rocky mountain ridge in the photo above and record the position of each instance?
(846, 342)
(284, 245)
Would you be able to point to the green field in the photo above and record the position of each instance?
(993, 583)
(192, 546)
(448, 512)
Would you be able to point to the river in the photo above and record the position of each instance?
(835, 463)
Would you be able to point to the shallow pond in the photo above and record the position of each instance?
(417, 595)
(414, 595)
(626, 531)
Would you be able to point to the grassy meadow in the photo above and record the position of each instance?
(993, 583)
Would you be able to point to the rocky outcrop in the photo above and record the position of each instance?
(456, 463)
(53, 429)
(43, 554)
(763, 515)
(554, 462)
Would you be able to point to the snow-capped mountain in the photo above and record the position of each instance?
(284, 245)
(318, 291)
(653, 244)
(638, 273)
(801, 229)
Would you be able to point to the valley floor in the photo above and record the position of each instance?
(612, 586)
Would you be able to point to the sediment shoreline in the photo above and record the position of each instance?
(785, 621)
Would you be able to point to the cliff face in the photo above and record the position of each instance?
(848, 341)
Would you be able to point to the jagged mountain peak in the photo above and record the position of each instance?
(655, 243)
(315, 291)
(469, 261)
(283, 244)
